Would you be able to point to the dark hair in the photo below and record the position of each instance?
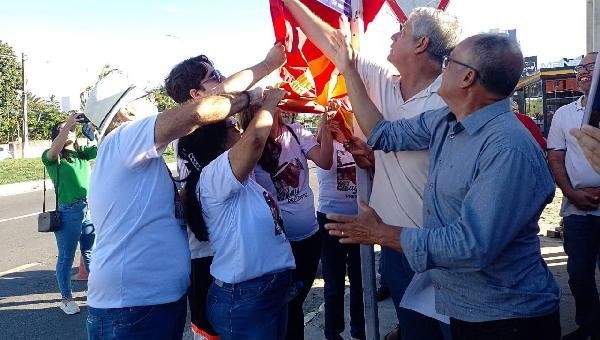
(64, 153)
(198, 149)
(186, 76)
(499, 61)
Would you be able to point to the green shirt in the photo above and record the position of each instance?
(74, 175)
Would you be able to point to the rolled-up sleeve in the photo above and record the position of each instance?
(484, 227)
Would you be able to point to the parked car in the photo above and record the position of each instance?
(5, 153)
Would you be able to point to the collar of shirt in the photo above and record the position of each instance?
(578, 105)
(476, 120)
(426, 92)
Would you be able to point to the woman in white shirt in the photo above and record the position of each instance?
(284, 169)
(253, 261)
(337, 194)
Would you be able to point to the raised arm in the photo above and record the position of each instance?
(244, 155)
(246, 78)
(182, 120)
(366, 113)
(59, 142)
(316, 30)
(322, 154)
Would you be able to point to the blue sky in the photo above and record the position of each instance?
(68, 41)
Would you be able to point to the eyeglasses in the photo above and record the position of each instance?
(447, 60)
(588, 67)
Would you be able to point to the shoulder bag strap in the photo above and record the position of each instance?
(295, 137)
(293, 133)
(57, 180)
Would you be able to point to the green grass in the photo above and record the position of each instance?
(31, 169)
(20, 170)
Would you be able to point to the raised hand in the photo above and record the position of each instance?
(275, 58)
(272, 97)
(343, 55)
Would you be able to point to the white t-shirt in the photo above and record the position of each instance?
(581, 174)
(291, 181)
(141, 256)
(198, 249)
(400, 177)
(337, 186)
(244, 225)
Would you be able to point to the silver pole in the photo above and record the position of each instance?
(592, 25)
(364, 183)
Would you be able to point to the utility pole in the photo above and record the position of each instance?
(25, 145)
(593, 25)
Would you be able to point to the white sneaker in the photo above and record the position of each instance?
(69, 307)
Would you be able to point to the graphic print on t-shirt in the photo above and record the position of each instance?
(346, 173)
(277, 220)
(287, 181)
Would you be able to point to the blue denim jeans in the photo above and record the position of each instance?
(397, 276)
(582, 245)
(335, 258)
(76, 227)
(165, 321)
(253, 309)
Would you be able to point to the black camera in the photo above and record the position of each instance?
(83, 119)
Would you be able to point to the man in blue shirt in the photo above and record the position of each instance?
(487, 186)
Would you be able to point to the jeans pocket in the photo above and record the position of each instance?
(132, 316)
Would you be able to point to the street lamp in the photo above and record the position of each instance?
(25, 135)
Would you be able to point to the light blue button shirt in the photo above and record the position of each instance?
(487, 186)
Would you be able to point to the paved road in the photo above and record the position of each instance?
(29, 294)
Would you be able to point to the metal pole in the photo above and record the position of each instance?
(364, 183)
(24, 103)
(592, 25)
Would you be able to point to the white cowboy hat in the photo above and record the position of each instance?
(107, 97)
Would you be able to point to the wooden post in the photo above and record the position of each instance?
(364, 183)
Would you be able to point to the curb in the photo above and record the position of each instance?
(32, 186)
(24, 187)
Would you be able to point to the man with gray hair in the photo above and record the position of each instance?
(486, 264)
(416, 52)
(140, 271)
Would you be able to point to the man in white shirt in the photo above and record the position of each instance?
(416, 52)
(580, 208)
(140, 272)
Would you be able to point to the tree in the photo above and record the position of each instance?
(10, 87)
(43, 114)
(163, 101)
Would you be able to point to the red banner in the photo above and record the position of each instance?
(310, 78)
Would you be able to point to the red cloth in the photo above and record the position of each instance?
(308, 75)
(533, 129)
